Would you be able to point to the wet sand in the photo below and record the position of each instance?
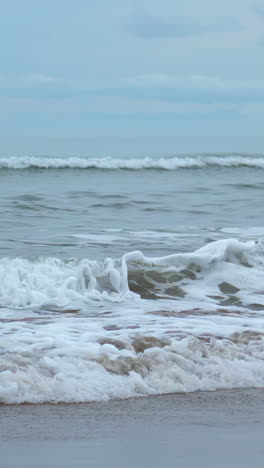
(214, 429)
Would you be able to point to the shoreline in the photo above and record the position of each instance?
(139, 397)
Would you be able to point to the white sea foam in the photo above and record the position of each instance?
(50, 281)
(54, 282)
(76, 361)
(204, 332)
(109, 163)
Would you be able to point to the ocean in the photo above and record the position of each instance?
(130, 276)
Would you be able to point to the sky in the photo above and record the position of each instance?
(131, 68)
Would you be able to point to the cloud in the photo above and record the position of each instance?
(195, 88)
(258, 10)
(41, 79)
(159, 87)
(149, 26)
(33, 86)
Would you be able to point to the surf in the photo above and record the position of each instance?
(172, 163)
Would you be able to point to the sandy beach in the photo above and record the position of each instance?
(223, 428)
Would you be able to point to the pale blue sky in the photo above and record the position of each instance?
(131, 68)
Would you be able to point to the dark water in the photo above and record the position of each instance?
(100, 213)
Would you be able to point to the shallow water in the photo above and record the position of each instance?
(83, 318)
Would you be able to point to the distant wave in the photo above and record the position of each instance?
(108, 163)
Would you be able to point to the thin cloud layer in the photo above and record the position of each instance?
(258, 9)
(41, 79)
(144, 66)
(156, 27)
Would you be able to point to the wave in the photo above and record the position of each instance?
(223, 268)
(108, 163)
(42, 370)
(83, 330)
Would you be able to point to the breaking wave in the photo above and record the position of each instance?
(44, 370)
(224, 268)
(83, 330)
(108, 163)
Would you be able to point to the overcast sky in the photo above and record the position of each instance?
(131, 67)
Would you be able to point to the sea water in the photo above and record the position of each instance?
(128, 276)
